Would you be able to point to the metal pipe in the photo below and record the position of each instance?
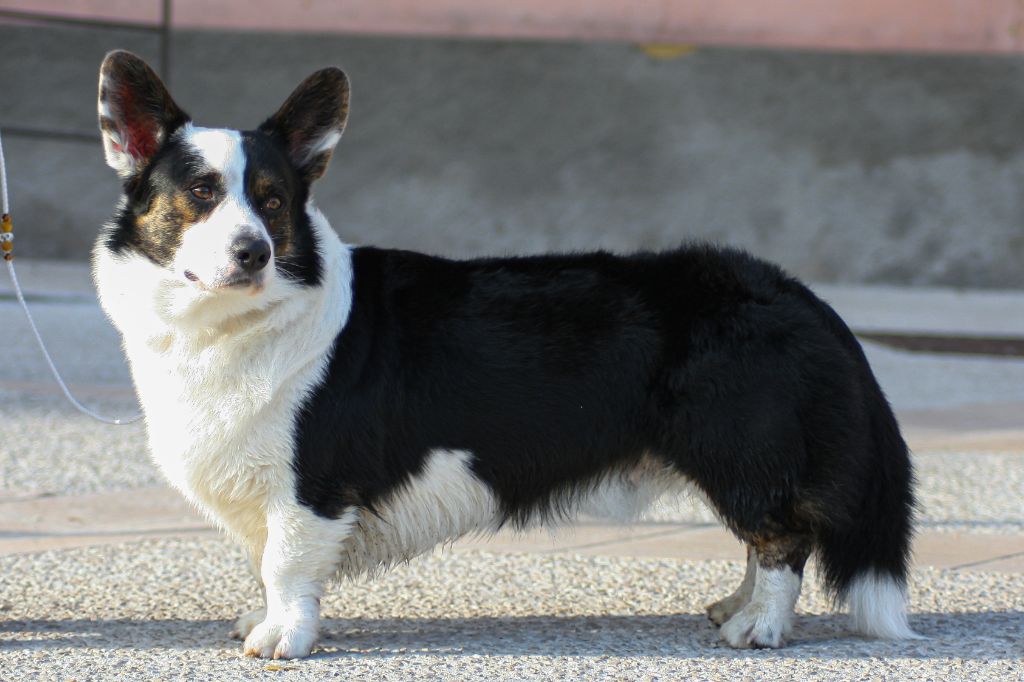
(51, 133)
(77, 22)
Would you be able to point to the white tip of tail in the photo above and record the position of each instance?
(878, 607)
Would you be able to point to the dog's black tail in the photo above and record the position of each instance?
(864, 554)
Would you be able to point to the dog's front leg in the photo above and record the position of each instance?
(301, 554)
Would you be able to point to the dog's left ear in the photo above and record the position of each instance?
(136, 112)
(311, 121)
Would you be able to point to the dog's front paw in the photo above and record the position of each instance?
(755, 627)
(272, 639)
(245, 624)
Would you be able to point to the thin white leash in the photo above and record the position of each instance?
(7, 241)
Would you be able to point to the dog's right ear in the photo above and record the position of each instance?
(136, 112)
(311, 121)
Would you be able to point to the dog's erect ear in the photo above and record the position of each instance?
(136, 112)
(311, 121)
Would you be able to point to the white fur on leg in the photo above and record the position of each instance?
(286, 632)
(878, 607)
(766, 621)
(724, 609)
(302, 552)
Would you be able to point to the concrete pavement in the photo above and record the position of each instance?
(105, 573)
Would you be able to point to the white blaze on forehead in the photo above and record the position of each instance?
(222, 151)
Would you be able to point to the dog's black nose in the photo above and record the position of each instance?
(251, 254)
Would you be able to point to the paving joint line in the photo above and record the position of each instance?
(619, 540)
(101, 533)
(27, 497)
(982, 562)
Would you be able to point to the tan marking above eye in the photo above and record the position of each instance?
(202, 192)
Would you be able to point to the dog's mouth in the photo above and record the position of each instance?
(241, 282)
(232, 282)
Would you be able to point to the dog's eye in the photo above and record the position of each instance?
(202, 192)
(273, 203)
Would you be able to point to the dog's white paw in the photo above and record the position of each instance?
(245, 624)
(756, 627)
(272, 639)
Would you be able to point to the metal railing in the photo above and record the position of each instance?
(162, 30)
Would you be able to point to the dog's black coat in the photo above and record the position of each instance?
(554, 370)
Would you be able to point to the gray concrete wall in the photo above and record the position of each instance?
(848, 168)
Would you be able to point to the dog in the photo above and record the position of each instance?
(338, 409)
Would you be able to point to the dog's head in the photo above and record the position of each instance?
(222, 214)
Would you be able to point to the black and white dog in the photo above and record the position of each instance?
(337, 409)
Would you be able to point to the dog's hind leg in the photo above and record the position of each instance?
(247, 621)
(301, 555)
(767, 618)
(724, 609)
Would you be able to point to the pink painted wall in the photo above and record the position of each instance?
(879, 25)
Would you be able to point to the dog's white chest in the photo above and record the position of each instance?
(220, 432)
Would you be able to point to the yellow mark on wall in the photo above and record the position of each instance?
(1016, 30)
(667, 50)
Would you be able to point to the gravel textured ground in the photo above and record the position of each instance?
(976, 491)
(47, 447)
(160, 610)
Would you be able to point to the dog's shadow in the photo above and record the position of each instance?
(949, 635)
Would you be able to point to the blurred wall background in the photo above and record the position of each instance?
(842, 167)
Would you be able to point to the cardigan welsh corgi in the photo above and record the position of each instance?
(338, 409)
